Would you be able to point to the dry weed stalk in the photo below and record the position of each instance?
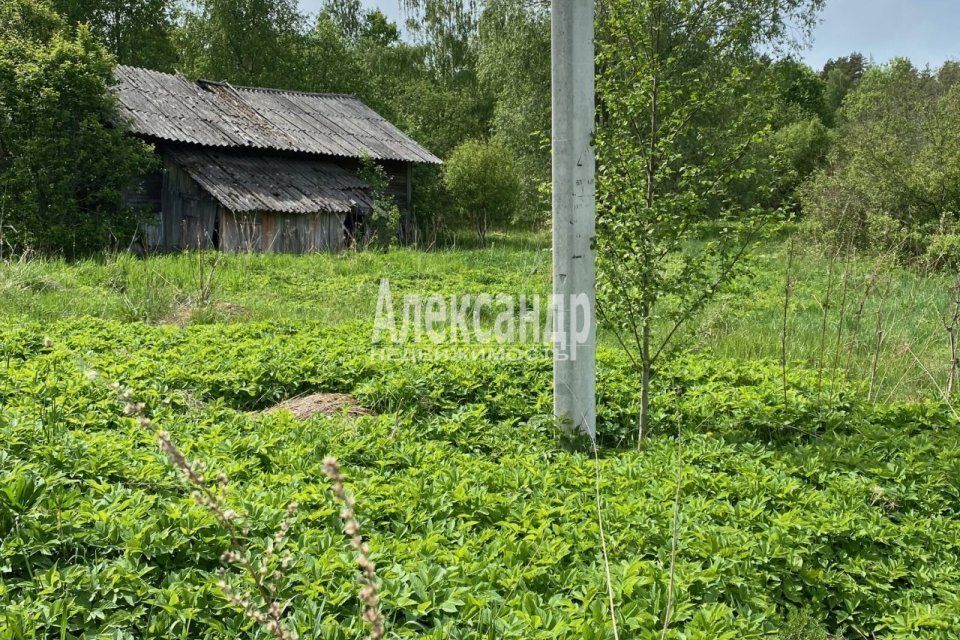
(787, 292)
(264, 607)
(369, 591)
(674, 526)
(853, 347)
(933, 380)
(841, 320)
(206, 277)
(825, 314)
(952, 326)
(879, 335)
(603, 540)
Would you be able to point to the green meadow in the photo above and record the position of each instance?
(767, 501)
(836, 305)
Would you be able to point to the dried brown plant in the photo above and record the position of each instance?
(369, 591)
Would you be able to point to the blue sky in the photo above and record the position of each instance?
(926, 31)
(390, 8)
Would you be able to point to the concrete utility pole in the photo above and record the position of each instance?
(574, 215)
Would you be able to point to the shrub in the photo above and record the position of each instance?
(383, 227)
(63, 160)
(893, 178)
(943, 252)
(801, 146)
(483, 181)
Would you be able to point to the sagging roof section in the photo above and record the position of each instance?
(244, 183)
(213, 114)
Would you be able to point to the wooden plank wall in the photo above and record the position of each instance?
(189, 212)
(144, 196)
(399, 188)
(144, 193)
(189, 218)
(281, 232)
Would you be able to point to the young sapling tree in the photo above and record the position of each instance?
(683, 108)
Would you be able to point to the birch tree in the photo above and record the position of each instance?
(682, 101)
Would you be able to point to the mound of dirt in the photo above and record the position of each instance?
(189, 313)
(327, 404)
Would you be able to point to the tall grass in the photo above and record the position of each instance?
(866, 295)
(747, 322)
(326, 288)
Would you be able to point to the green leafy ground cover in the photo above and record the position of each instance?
(821, 514)
(331, 290)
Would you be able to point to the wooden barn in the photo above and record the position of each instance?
(246, 169)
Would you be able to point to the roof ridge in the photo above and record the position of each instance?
(178, 74)
(273, 90)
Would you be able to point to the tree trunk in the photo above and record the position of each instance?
(645, 375)
(952, 333)
(650, 197)
(482, 231)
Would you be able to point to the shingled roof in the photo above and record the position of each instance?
(215, 114)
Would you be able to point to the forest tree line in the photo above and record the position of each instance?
(864, 153)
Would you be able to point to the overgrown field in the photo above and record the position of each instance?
(804, 508)
(746, 323)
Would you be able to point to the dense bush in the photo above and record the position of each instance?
(943, 252)
(893, 179)
(800, 148)
(483, 181)
(63, 160)
(383, 227)
(831, 516)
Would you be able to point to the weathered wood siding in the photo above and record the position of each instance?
(192, 219)
(400, 187)
(189, 213)
(281, 233)
(144, 193)
(188, 217)
(144, 197)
